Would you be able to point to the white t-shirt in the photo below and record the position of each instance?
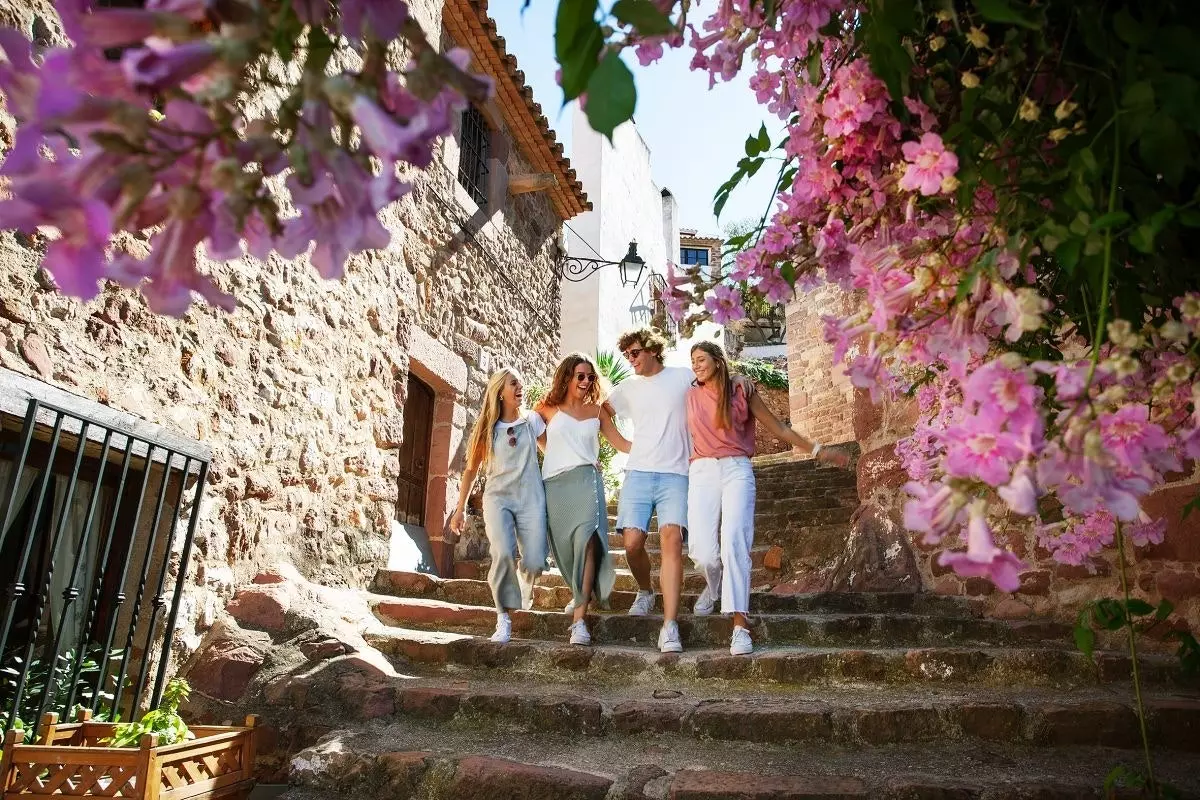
(657, 407)
(536, 423)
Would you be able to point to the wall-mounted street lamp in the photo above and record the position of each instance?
(577, 269)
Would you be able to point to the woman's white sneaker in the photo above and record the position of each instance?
(741, 644)
(570, 607)
(705, 603)
(579, 633)
(668, 638)
(643, 604)
(503, 628)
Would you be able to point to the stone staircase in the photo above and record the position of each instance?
(846, 695)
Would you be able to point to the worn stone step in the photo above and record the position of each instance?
(787, 503)
(693, 582)
(853, 717)
(476, 592)
(409, 758)
(557, 661)
(786, 520)
(824, 630)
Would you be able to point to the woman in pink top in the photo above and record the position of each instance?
(721, 411)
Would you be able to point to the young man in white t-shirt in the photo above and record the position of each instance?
(656, 473)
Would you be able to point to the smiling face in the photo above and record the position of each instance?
(582, 380)
(512, 394)
(704, 365)
(642, 360)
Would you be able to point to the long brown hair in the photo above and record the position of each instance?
(479, 446)
(724, 416)
(564, 374)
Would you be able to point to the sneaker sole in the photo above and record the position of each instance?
(745, 652)
(671, 648)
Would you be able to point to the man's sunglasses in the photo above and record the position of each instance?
(633, 353)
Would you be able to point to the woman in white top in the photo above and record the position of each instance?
(504, 445)
(575, 506)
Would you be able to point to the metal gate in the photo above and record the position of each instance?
(93, 558)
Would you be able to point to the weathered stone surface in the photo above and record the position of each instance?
(743, 722)
(33, 348)
(713, 785)
(646, 716)
(894, 725)
(479, 778)
(261, 606)
(227, 661)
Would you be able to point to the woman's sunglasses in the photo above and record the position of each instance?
(585, 378)
(512, 436)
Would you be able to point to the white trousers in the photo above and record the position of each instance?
(721, 527)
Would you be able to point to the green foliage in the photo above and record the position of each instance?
(1112, 614)
(764, 373)
(163, 721)
(611, 95)
(614, 370)
(57, 674)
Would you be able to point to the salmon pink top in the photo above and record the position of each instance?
(709, 441)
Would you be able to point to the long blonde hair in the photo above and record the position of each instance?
(724, 415)
(479, 446)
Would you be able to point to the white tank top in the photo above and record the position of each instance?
(570, 443)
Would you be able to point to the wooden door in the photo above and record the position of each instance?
(414, 453)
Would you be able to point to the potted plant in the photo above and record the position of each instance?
(158, 757)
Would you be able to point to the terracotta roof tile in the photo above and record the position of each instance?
(468, 22)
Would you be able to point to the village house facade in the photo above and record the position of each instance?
(321, 424)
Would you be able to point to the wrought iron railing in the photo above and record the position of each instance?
(90, 513)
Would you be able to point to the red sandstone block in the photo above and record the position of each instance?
(711, 785)
(480, 778)
(429, 614)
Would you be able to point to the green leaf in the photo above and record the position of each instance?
(1068, 254)
(1109, 614)
(1139, 97)
(1110, 220)
(644, 16)
(1165, 148)
(577, 43)
(1143, 238)
(1128, 29)
(1085, 640)
(1164, 610)
(754, 146)
(1004, 11)
(1191, 506)
(611, 95)
(764, 139)
(1138, 608)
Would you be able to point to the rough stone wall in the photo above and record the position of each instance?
(301, 390)
(777, 400)
(822, 398)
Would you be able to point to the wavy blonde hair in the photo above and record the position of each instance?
(479, 446)
(724, 415)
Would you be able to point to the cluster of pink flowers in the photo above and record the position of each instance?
(1068, 449)
(158, 138)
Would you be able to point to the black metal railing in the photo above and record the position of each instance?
(475, 149)
(89, 515)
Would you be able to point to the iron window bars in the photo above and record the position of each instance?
(475, 146)
(56, 523)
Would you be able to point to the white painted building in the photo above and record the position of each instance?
(627, 206)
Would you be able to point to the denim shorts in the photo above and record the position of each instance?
(643, 493)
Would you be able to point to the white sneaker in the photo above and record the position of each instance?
(503, 628)
(643, 604)
(740, 644)
(579, 633)
(705, 603)
(668, 638)
(570, 607)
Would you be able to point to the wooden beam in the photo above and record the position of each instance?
(535, 182)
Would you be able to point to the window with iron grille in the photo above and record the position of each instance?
(97, 519)
(694, 255)
(475, 149)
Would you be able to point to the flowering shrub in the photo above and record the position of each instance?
(1012, 188)
(146, 123)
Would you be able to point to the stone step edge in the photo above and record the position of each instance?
(468, 776)
(1049, 723)
(878, 666)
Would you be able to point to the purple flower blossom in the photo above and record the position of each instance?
(982, 558)
(381, 18)
(160, 64)
(724, 302)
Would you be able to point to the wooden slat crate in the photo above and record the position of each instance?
(70, 761)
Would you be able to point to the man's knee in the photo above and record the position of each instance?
(671, 537)
(635, 541)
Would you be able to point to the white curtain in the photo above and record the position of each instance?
(64, 557)
(28, 476)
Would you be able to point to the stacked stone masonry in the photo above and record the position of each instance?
(301, 390)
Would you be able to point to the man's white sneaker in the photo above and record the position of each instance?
(642, 604)
(704, 603)
(570, 607)
(668, 638)
(579, 633)
(503, 628)
(740, 644)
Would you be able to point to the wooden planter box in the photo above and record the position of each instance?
(70, 761)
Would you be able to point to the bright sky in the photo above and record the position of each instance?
(696, 136)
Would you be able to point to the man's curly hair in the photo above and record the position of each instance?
(651, 339)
